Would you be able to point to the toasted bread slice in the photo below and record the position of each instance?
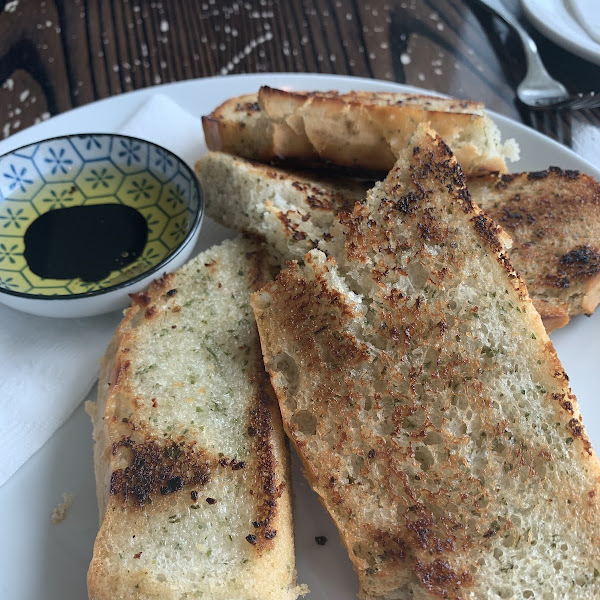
(291, 210)
(191, 464)
(426, 401)
(364, 130)
(236, 126)
(551, 216)
(553, 219)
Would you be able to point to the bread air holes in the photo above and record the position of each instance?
(509, 540)
(541, 465)
(497, 446)
(415, 422)
(433, 437)
(287, 368)
(424, 457)
(418, 275)
(306, 422)
(557, 565)
(461, 401)
(456, 427)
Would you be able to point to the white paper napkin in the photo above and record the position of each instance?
(587, 13)
(164, 122)
(49, 365)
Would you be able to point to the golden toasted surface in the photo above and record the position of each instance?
(191, 465)
(553, 218)
(291, 210)
(431, 413)
(355, 130)
(237, 125)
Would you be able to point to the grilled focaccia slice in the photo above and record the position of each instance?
(357, 130)
(553, 218)
(432, 415)
(191, 464)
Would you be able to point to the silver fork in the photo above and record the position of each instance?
(539, 90)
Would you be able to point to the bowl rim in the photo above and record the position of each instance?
(198, 217)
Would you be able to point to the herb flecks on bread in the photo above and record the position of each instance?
(431, 413)
(292, 210)
(551, 216)
(191, 464)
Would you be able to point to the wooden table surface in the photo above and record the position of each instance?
(59, 54)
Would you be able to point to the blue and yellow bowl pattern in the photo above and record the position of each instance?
(79, 170)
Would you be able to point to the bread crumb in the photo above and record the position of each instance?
(60, 510)
(90, 408)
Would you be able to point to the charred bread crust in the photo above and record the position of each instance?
(190, 457)
(552, 217)
(434, 419)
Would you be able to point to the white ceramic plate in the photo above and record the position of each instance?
(555, 21)
(40, 560)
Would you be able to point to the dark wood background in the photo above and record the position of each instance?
(59, 54)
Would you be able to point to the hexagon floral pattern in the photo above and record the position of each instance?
(82, 170)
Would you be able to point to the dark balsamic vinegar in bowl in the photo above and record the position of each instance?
(86, 242)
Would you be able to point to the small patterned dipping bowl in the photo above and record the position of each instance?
(86, 220)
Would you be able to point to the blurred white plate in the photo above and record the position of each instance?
(40, 560)
(556, 22)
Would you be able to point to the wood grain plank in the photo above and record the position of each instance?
(58, 54)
